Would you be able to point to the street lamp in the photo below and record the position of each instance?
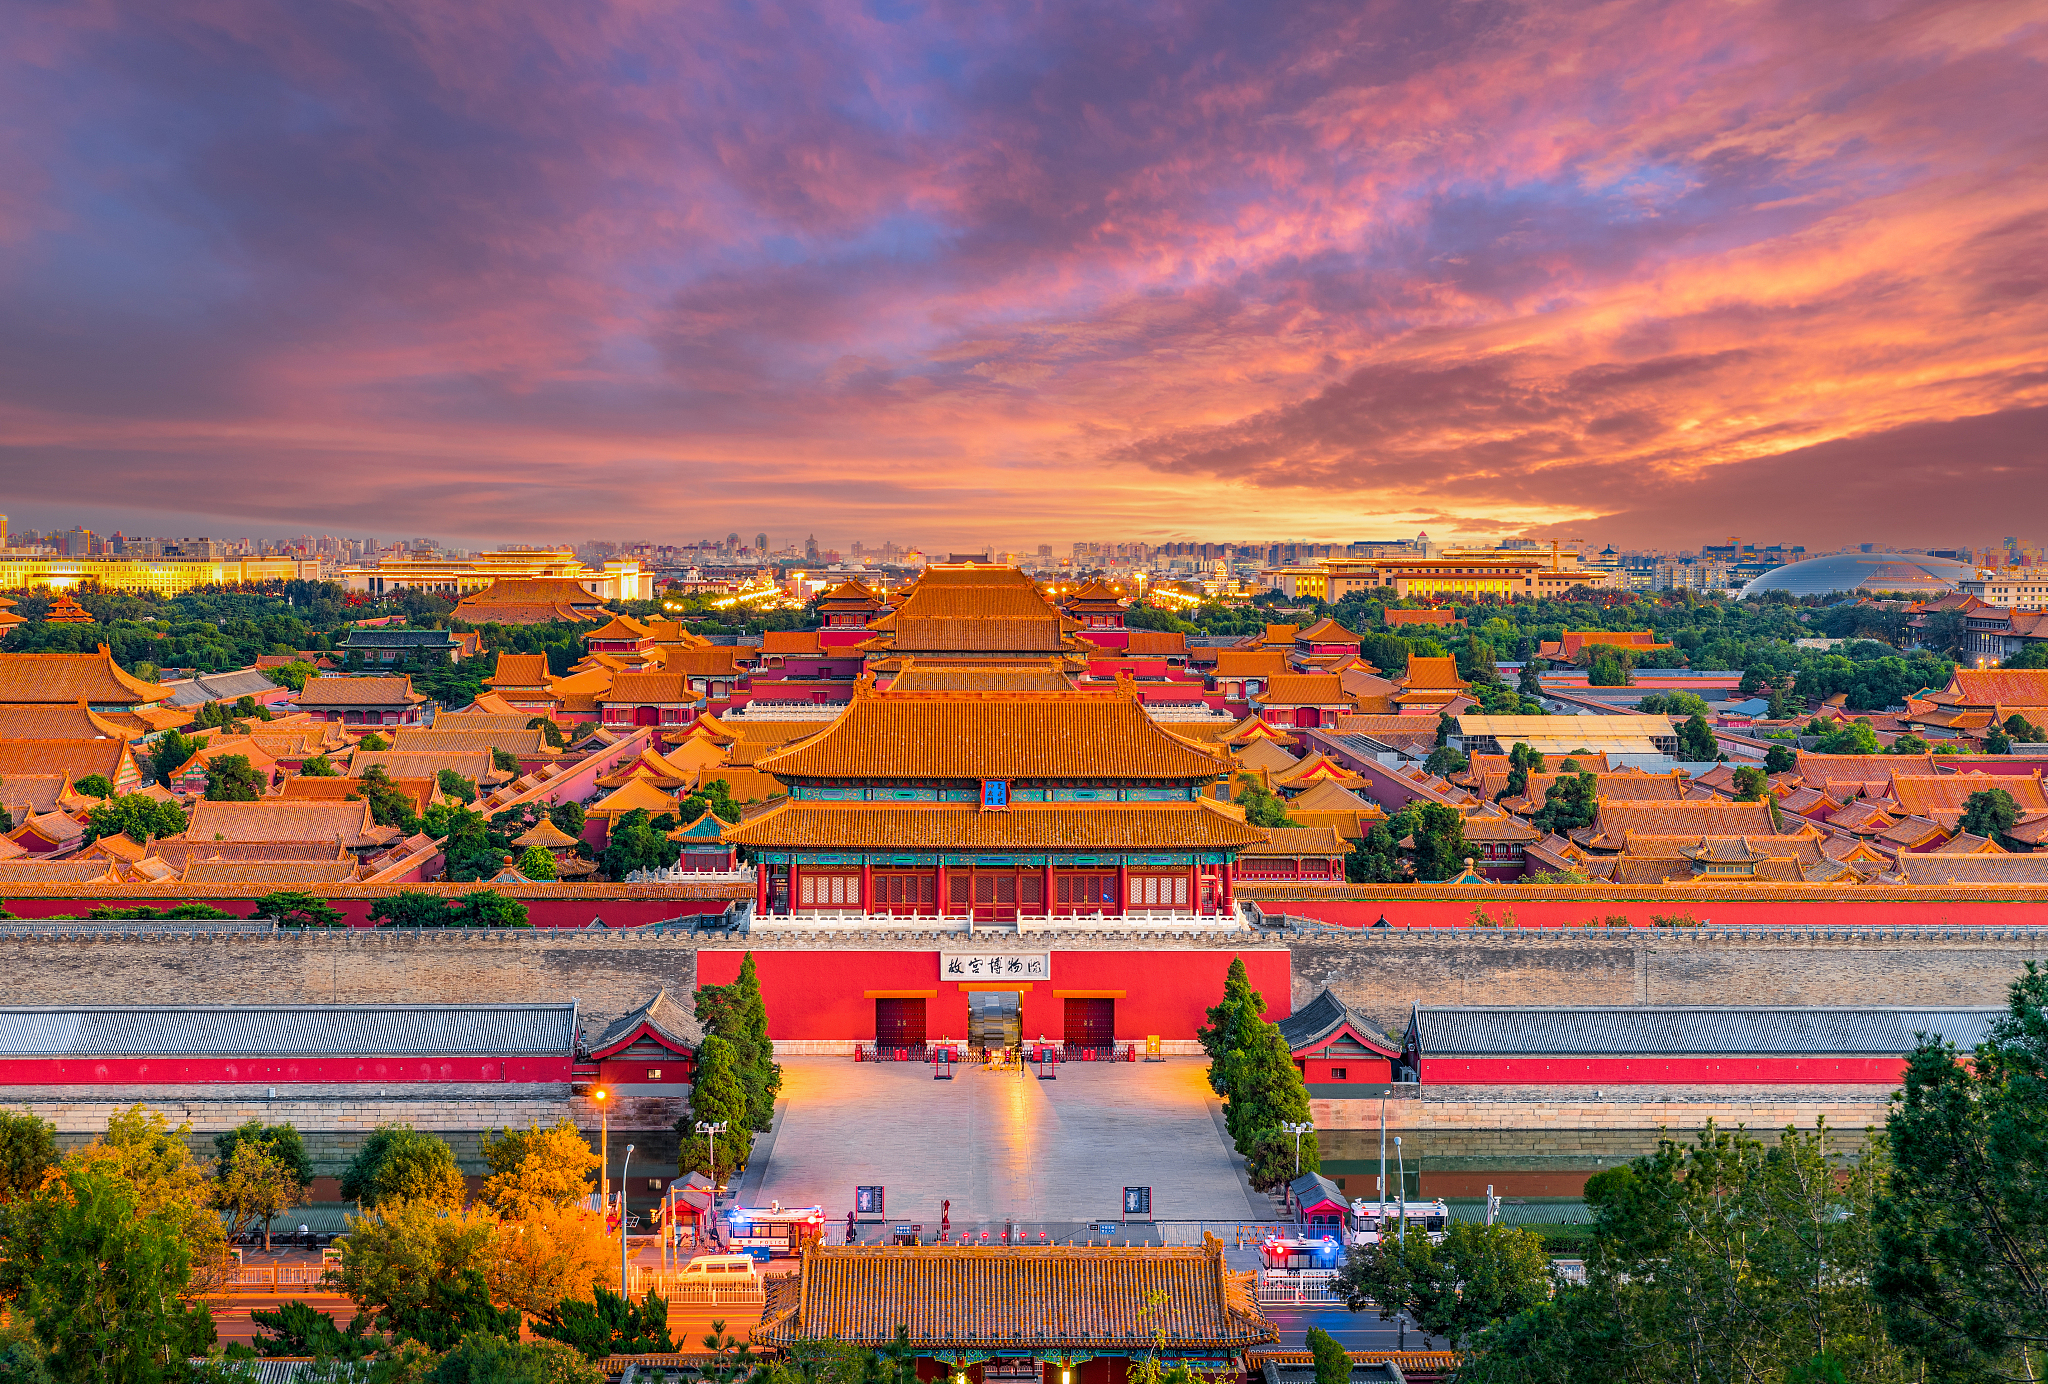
(1297, 1130)
(622, 1223)
(713, 1130)
(604, 1178)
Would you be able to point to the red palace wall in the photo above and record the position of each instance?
(823, 995)
(1662, 1071)
(573, 906)
(203, 1071)
(1836, 909)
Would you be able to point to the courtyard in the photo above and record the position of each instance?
(1050, 1155)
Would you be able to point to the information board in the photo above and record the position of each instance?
(868, 1202)
(1137, 1203)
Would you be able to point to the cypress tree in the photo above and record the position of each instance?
(1215, 1035)
(739, 1015)
(718, 1095)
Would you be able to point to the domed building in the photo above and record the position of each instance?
(1915, 573)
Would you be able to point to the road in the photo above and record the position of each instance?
(1353, 1330)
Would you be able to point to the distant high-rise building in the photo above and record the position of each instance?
(1045, 550)
(3, 530)
(78, 543)
(732, 543)
(811, 548)
(761, 543)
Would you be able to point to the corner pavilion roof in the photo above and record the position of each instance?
(1031, 1300)
(969, 736)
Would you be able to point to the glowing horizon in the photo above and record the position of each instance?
(1005, 275)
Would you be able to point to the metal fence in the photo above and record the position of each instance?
(1297, 1288)
(675, 1291)
(260, 1278)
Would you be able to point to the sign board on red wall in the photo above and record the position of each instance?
(995, 965)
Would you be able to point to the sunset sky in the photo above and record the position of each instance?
(1022, 273)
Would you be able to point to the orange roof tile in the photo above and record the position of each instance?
(1303, 689)
(620, 627)
(1924, 796)
(649, 689)
(270, 872)
(519, 670)
(420, 790)
(530, 601)
(1249, 663)
(790, 642)
(1013, 675)
(58, 721)
(636, 792)
(969, 736)
(1298, 841)
(75, 759)
(284, 819)
(1996, 687)
(1326, 631)
(1025, 826)
(359, 692)
(1431, 674)
(474, 765)
(69, 678)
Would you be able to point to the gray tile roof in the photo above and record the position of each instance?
(1487, 1030)
(1323, 1016)
(399, 639)
(313, 1030)
(217, 687)
(671, 1020)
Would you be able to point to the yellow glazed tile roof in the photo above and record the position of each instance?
(1026, 826)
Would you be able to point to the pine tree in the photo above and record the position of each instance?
(738, 1014)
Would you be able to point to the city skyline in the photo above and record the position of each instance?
(1523, 270)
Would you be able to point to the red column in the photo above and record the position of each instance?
(1229, 877)
(939, 889)
(793, 895)
(1047, 887)
(1123, 885)
(761, 887)
(1195, 888)
(867, 886)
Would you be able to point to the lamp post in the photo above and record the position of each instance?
(1297, 1130)
(713, 1130)
(1401, 1175)
(604, 1177)
(622, 1223)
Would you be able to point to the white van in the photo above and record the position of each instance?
(715, 1269)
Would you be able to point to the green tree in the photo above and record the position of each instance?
(95, 786)
(484, 1358)
(1610, 668)
(297, 1328)
(107, 1295)
(138, 815)
(292, 675)
(1780, 760)
(718, 1097)
(1908, 743)
(419, 1270)
(1444, 761)
(1262, 807)
(456, 786)
(230, 778)
(410, 908)
(1962, 1223)
(319, 766)
(1374, 858)
(398, 1163)
(487, 908)
(1530, 682)
(296, 908)
(549, 732)
(1696, 740)
(255, 1185)
(569, 818)
(1996, 741)
(283, 1141)
(611, 1325)
(28, 1150)
(714, 797)
(2020, 728)
(1440, 845)
(1215, 1035)
(537, 862)
(171, 752)
(390, 805)
(1265, 1091)
(1848, 737)
(1479, 1276)
(1522, 762)
(1750, 784)
(634, 844)
(738, 1014)
(1333, 1363)
(504, 761)
(1992, 812)
(373, 742)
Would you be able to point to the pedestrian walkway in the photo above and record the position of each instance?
(1003, 1144)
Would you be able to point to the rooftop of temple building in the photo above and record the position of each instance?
(969, 736)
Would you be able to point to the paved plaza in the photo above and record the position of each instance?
(1003, 1144)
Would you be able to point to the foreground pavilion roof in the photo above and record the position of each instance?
(1024, 1300)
